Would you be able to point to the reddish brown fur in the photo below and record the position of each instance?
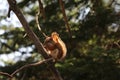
(55, 46)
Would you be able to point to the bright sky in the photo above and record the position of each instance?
(13, 20)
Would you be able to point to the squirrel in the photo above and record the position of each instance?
(55, 47)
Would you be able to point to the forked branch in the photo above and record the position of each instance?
(30, 65)
(33, 37)
(24, 67)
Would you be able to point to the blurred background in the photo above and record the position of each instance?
(93, 49)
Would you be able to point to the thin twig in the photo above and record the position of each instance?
(65, 17)
(9, 12)
(23, 76)
(117, 44)
(111, 3)
(5, 74)
(37, 21)
(41, 9)
(6, 45)
(30, 65)
(13, 2)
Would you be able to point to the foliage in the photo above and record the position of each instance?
(93, 52)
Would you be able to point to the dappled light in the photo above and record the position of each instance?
(90, 29)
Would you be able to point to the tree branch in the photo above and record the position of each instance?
(5, 74)
(65, 18)
(30, 65)
(29, 32)
(6, 45)
(33, 37)
(41, 9)
(37, 21)
(24, 67)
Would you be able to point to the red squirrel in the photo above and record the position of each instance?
(55, 47)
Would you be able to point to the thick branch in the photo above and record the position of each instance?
(29, 32)
(32, 36)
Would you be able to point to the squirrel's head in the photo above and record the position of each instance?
(55, 36)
